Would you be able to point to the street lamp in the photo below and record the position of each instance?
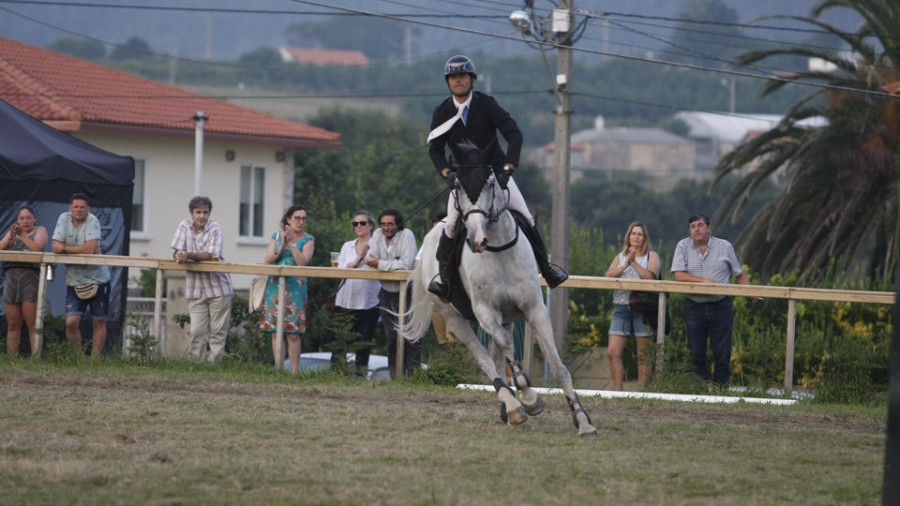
(558, 31)
(521, 22)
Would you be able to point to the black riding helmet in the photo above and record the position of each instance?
(459, 64)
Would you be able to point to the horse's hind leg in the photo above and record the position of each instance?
(532, 402)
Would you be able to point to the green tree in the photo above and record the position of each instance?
(382, 163)
(709, 45)
(262, 57)
(78, 47)
(843, 179)
(135, 48)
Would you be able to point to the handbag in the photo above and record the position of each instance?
(258, 292)
(86, 291)
(648, 304)
(645, 302)
(332, 299)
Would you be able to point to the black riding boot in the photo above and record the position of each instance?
(553, 274)
(441, 287)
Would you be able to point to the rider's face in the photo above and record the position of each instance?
(460, 84)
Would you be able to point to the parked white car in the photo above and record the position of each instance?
(378, 364)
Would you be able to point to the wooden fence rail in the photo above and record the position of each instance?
(791, 294)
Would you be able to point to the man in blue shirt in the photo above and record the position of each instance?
(702, 258)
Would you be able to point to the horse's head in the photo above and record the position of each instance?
(478, 193)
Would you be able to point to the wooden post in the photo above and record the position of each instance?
(157, 313)
(789, 351)
(528, 352)
(400, 320)
(39, 310)
(661, 330)
(279, 330)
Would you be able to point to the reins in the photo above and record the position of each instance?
(429, 201)
(493, 217)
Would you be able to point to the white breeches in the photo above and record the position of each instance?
(516, 203)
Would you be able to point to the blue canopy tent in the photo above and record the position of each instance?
(42, 167)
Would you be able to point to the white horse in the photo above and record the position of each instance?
(499, 274)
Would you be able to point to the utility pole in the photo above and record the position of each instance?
(559, 237)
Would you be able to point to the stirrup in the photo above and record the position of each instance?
(555, 276)
(440, 289)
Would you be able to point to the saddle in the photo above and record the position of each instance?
(458, 296)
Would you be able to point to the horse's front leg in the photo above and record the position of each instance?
(532, 402)
(511, 410)
(540, 321)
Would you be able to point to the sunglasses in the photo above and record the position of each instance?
(359, 223)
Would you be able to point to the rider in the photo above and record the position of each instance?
(474, 116)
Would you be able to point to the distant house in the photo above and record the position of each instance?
(608, 150)
(717, 134)
(248, 163)
(323, 56)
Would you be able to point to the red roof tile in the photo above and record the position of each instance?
(325, 56)
(81, 95)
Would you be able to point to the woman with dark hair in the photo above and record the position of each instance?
(635, 261)
(20, 286)
(359, 297)
(291, 246)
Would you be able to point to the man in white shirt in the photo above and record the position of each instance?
(199, 238)
(393, 247)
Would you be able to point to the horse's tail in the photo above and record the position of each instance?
(418, 317)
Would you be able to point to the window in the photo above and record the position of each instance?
(138, 209)
(252, 197)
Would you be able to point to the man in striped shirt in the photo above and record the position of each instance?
(702, 258)
(200, 239)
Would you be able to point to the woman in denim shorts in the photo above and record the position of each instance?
(635, 261)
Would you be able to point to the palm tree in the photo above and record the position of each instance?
(842, 190)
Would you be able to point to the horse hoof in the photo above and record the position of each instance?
(536, 407)
(517, 416)
(589, 434)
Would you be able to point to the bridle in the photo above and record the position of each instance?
(493, 214)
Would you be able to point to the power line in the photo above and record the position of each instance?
(714, 23)
(873, 93)
(773, 78)
(217, 10)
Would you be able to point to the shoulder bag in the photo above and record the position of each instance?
(648, 304)
(332, 299)
(258, 292)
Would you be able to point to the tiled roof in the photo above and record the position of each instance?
(74, 94)
(324, 56)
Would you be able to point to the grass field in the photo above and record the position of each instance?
(106, 432)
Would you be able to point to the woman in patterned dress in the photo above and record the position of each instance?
(21, 279)
(292, 246)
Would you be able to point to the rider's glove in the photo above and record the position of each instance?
(508, 170)
(451, 179)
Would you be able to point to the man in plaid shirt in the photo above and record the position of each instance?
(702, 258)
(200, 239)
